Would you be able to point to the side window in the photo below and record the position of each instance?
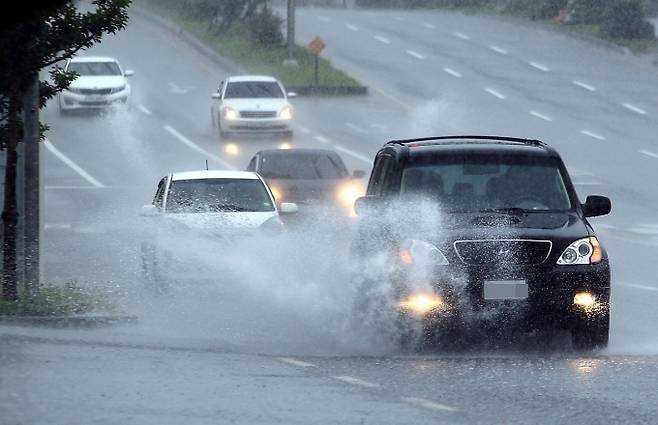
(252, 165)
(159, 195)
(378, 178)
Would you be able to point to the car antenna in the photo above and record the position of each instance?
(206, 165)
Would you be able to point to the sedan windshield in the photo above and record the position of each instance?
(218, 195)
(488, 186)
(302, 167)
(253, 89)
(94, 68)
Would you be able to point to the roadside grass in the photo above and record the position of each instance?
(51, 300)
(257, 59)
(634, 45)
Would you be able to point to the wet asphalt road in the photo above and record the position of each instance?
(276, 350)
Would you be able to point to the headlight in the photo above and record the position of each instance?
(422, 253)
(421, 303)
(583, 251)
(277, 193)
(349, 193)
(286, 113)
(118, 89)
(230, 113)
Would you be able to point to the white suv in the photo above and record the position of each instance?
(101, 83)
(251, 103)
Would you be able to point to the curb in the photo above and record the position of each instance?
(67, 321)
(234, 68)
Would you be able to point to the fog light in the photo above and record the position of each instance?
(585, 301)
(421, 303)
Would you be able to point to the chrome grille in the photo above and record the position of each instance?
(94, 91)
(258, 114)
(503, 251)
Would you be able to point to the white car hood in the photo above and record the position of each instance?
(223, 223)
(98, 82)
(265, 104)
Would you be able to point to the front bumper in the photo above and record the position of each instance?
(250, 125)
(550, 300)
(69, 100)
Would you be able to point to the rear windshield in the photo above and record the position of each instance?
(302, 167)
(253, 89)
(488, 183)
(218, 195)
(94, 68)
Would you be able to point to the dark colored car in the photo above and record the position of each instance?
(308, 177)
(484, 230)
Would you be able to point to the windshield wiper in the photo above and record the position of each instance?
(230, 208)
(508, 211)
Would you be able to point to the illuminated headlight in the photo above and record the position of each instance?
(421, 303)
(230, 113)
(582, 251)
(118, 89)
(418, 252)
(286, 113)
(348, 194)
(587, 302)
(277, 193)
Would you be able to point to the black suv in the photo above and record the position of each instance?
(482, 230)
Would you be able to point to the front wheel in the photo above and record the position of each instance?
(591, 334)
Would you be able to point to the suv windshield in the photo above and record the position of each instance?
(488, 185)
(94, 68)
(218, 195)
(302, 167)
(253, 89)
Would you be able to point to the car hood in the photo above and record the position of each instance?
(264, 104)
(221, 224)
(306, 191)
(98, 82)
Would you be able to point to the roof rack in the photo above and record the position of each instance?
(533, 142)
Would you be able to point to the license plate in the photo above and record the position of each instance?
(505, 290)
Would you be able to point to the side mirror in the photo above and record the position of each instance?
(149, 211)
(215, 95)
(358, 174)
(596, 206)
(129, 73)
(367, 205)
(288, 208)
(292, 95)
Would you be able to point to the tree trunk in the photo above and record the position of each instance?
(10, 213)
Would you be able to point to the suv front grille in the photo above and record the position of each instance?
(258, 114)
(503, 251)
(94, 91)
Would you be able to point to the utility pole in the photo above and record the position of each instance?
(290, 21)
(31, 187)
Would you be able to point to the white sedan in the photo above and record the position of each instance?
(101, 82)
(198, 207)
(251, 104)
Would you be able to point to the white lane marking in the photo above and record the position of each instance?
(47, 187)
(634, 108)
(498, 50)
(354, 154)
(324, 18)
(321, 139)
(196, 147)
(541, 116)
(649, 153)
(452, 72)
(415, 54)
(295, 362)
(428, 404)
(351, 27)
(304, 130)
(145, 110)
(461, 35)
(72, 165)
(429, 26)
(579, 172)
(176, 89)
(593, 135)
(355, 128)
(494, 93)
(538, 66)
(355, 381)
(382, 39)
(57, 226)
(636, 286)
(587, 183)
(584, 85)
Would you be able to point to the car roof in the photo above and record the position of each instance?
(239, 78)
(93, 59)
(475, 144)
(214, 174)
(307, 151)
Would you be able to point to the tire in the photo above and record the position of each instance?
(591, 334)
